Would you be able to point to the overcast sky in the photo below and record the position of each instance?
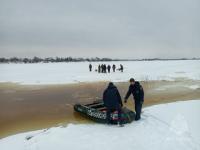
(102, 28)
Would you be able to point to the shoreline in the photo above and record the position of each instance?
(32, 107)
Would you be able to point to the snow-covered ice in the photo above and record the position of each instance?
(194, 87)
(174, 126)
(61, 73)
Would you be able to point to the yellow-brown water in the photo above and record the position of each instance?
(31, 107)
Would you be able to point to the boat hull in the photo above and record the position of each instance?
(97, 112)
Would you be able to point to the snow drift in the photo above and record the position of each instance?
(173, 126)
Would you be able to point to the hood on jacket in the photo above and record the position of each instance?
(111, 85)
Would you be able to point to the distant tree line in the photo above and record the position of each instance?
(70, 59)
(51, 59)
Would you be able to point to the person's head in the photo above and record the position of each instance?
(132, 81)
(110, 84)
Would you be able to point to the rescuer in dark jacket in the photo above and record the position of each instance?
(138, 93)
(112, 101)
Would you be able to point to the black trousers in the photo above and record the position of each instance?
(110, 110)
(138, 109)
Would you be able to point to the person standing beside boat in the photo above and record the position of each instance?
(138, 93)
(112, 101)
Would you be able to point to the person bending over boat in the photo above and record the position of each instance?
(112, 101)
(138, 93)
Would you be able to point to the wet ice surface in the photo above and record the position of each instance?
(171, 126)
(75, 72)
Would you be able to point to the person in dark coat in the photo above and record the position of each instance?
(138, 93)
(112, 101)
(90, 67)
(113, 67)
(108, 67)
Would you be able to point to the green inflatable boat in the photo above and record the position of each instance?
(96, 111)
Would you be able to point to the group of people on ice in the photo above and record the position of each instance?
(112, 100)
(103, 68)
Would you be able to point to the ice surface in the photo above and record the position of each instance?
(194, 87)
(173, 126)
(61, 73)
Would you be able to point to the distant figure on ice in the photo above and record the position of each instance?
(138, 93)
(90, 67)
(108, 67)
(104, 68)
(99, 69)
(113, 67)
(112, 101)
(121, 68)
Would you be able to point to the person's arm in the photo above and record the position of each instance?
(128, 93)
(141, 94)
